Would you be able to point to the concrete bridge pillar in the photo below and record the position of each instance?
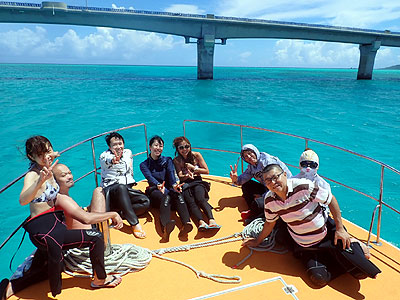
(205, 53)
(367, 60)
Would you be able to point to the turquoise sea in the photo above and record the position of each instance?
(69, 103)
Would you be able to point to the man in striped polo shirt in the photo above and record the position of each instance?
(297, 202)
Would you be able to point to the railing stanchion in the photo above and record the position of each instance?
(241, 144)
(145, 137)
(372, 224)
(378, 228)
(94, 163)
(306, 144)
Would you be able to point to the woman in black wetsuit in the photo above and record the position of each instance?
(164, 190)
(189, 166)
(46, 226)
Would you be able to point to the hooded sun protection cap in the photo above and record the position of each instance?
(250, 147)
(309, 155)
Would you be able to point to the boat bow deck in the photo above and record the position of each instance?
(264, 275)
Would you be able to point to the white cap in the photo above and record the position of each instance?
(309, 155)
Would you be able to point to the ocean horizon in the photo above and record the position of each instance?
(392, 67)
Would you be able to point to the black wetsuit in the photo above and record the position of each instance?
(156, 172)
(195, 193)
(49, 233)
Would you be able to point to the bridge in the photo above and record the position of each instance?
(204, 30)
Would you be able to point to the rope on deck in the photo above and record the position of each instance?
(131, 258)
(234, 237)
(123, 258)
(128, 258)
(214, 277)
(252, 230)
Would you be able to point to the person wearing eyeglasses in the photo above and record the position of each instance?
(164, 191)
(253, 190)
(297, 202)
(189, 166)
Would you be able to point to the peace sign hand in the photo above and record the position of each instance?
(233, 173)
(117, 156)
(178, 187)
(190, 174)
(47, 173)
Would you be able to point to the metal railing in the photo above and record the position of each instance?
(187, 15)
(307, 140)
(93, 153)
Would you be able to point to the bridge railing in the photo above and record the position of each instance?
(306, 140)
(222, 18)
(20, 4)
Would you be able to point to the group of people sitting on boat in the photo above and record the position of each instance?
(175, 184)
(297, 206)
(46, 190)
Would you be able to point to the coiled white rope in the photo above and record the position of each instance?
(252, 230)
(123, 258)
(131, 258)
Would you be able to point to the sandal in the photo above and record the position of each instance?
(107, 284)
(245, 214)
(214, 226)
(139, 233)
(203, 227)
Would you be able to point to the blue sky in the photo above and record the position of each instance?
(39, 43)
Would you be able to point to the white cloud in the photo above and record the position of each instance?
(185, 8)
(315, 54)
(22, 40)
(120, 7)
(103, 43)
(245, 54)
(356, 13)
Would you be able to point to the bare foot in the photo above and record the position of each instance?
(138, 231)
(365, 249)
(110, 281)
(212, 222)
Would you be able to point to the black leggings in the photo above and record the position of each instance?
(49, 233)
(167, 201)
(321, 265)
(131, 205)
(250, 189)
(196, 198)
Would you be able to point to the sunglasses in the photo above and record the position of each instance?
(308, 163)
(183, 147)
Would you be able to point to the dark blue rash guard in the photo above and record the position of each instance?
(157, 171)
